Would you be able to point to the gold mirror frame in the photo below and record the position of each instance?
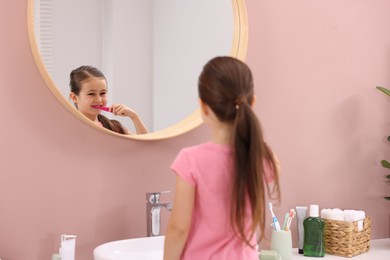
(239, 49)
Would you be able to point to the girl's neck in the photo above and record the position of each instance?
(222, 133)
(93, 118)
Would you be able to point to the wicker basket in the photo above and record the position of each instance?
(343, 238)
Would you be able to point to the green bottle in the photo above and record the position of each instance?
(313, 244)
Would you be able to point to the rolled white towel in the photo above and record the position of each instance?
(325, 213)
(354, 215)
(333, 214)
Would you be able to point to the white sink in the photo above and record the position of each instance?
(145, 248)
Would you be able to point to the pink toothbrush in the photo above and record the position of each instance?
(102, 108)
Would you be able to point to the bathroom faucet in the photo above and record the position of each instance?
(153, 212)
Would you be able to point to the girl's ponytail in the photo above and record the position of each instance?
(248, 182)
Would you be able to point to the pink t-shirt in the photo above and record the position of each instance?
(208, 167)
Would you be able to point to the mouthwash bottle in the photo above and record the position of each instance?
(313, 244)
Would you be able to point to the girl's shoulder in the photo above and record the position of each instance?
(207, 147)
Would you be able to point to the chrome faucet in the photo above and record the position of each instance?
(153, 212)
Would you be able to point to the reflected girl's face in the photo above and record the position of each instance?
(93, 93)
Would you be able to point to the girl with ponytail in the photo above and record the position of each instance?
(221, 185)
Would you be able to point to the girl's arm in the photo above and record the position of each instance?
(180, 220)
(139, 125)
(122, 110)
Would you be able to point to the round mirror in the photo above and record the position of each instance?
(151, 53)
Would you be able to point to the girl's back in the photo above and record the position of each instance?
(208, 167)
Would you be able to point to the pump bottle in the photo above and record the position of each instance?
(313, 244)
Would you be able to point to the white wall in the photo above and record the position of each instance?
(128, 59)
(77, 38)
(210, 24)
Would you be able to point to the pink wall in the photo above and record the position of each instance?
(315, 64)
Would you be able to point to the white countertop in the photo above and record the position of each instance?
(379, 250)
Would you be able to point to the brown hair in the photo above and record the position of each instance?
(226, 86)
(77, 77)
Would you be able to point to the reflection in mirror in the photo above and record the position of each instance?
(88, 92)
(150, 51)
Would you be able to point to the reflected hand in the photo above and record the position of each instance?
(122, 110)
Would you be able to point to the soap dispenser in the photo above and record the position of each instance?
(56, 256)
(314, 244)
(67, 248)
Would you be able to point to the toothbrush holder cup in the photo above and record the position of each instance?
(281, 242)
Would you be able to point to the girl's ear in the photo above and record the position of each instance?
(73, 97)
(254, 100)
(203, 107)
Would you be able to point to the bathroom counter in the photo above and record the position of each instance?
(379, 250)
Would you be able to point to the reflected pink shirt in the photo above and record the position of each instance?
(208, 167)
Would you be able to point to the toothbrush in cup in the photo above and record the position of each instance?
(290, 218)
(274, 219)
(286, 217)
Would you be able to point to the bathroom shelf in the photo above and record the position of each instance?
(379, 250)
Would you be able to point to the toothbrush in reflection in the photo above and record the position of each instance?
(274, 219)
(102, 108)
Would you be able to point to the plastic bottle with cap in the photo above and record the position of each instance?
(313, 244)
